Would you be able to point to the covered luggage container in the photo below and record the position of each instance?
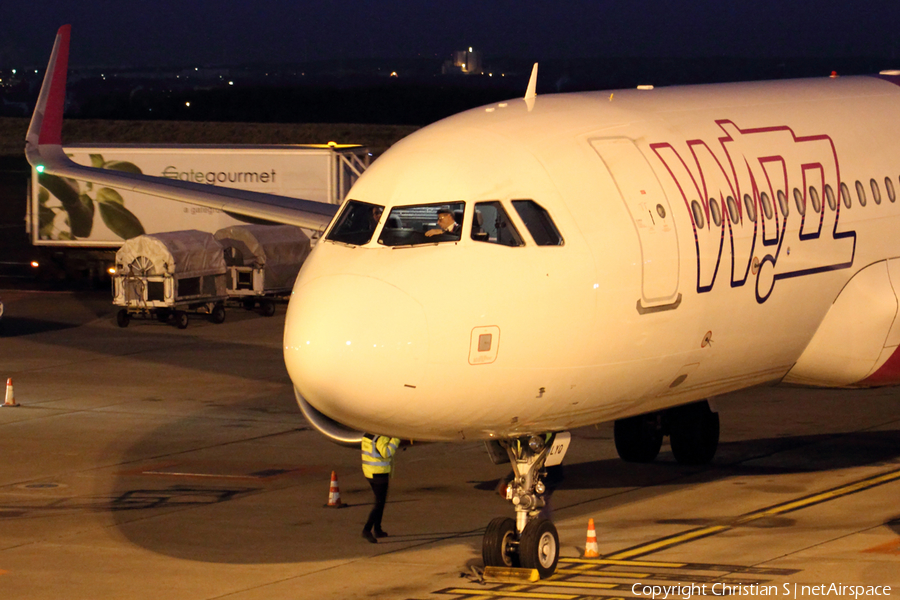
(262, 262)
(168, 274)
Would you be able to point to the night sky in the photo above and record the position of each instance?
(186, 32)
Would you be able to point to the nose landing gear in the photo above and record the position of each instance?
(530, 540)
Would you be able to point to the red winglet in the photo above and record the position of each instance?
(51, 127)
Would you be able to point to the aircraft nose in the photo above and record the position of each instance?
(354, 346)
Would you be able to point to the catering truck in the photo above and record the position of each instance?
(77, 227)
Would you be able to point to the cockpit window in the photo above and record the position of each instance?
(539, 224)
(356, 223)
(423, 224)
(491, 224)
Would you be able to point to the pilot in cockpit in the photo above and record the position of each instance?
(447, 227)
(375, 217)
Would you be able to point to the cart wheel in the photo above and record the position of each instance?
(162, 315)
(218, 313)
(249, 304)
(122, 318)
(268, 307)
(181, 319)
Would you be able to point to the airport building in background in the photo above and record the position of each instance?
(464, 62)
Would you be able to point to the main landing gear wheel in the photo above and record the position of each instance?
(638, 439)
(694, 433)
(498, 547)
(539, 547)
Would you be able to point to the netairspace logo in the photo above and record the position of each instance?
(686, 592)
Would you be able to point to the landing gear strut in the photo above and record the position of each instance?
(529, 541)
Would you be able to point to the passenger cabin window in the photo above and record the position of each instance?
(798, 200)
(699, 219)
(541, 227)
(423, 224)
(767, 205)
(814, 198)
(845, 195)
(750, 206)
(876, 191)
(714, 212)
(491, 224)
(732, 209)
(356, 223)
(860, 192)
(829, 196)
(783, 203)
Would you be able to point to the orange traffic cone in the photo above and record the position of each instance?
(591, 550)
(334, 493)
(10, 395)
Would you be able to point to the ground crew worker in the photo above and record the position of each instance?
(377, 461)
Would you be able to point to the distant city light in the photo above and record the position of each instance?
(470, 48)
(394, 74)
(188, 104)
(230, 83)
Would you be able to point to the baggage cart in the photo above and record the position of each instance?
(167, 275)
(262, 262)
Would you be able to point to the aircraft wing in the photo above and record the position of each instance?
(43, 149)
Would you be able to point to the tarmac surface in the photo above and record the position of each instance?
(151, 462)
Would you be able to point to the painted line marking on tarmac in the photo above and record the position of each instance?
(551, 582)
(777, 509)
(582, 571)
(623, 563)
(505, 593)
(635, 575)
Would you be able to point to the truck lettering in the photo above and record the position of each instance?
(219, 177)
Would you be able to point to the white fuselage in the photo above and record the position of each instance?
(667, 289)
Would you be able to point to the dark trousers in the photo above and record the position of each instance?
(379, 483)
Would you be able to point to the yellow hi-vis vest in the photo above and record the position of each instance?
(377, 454)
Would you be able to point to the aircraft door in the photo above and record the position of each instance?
(652, 217)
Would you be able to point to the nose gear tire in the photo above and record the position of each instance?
(498, 543)
(539, 547)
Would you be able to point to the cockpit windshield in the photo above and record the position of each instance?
(356, 223)
(423, 224)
